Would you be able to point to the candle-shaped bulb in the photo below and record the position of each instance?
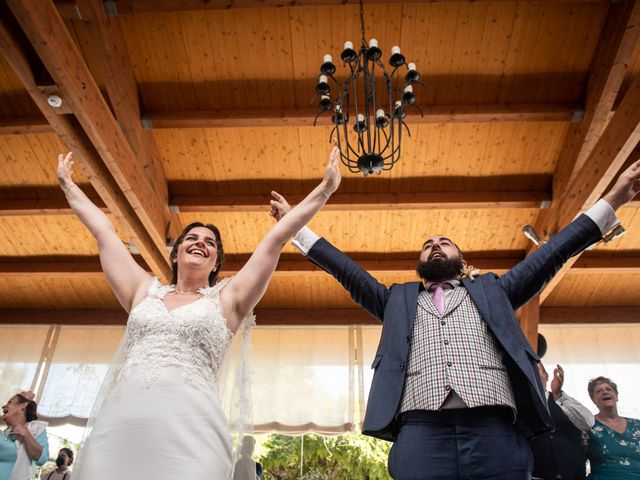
(327, 58)
(408, 89)
(379, 113)
(411, 66)
(398, 104)
(360, 118)
(348, 45)
(322, 79)
(395, 49)
(325, 103)
(373, 43)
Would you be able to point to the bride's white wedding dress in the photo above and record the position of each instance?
(161, 417)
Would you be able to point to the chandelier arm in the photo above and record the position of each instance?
(331, 135)
(392, 154)
(364, 41)
(359, 134)
(315, 119)
(418, 108)
(371, 115)
(407, 127)
(387, 141)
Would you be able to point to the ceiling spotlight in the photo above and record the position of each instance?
(54, 100)
(615, 233)
(531, 234)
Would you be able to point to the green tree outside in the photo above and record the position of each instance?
(351, 456)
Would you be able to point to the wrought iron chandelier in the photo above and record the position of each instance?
(371, 142)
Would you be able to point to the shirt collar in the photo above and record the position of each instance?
(454, 283)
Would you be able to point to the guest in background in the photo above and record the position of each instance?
(246, 466)
(614, 441)
(63, 462)
(560, 454)
(24, 442)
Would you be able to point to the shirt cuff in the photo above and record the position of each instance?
(603, 215)
(304, 240)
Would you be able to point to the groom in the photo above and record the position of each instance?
(456, 384)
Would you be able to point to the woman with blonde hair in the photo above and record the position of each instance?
(614, 441)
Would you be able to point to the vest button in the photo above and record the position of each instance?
(442, 322)
(447, 387)
(446, 342)
(449, 364)
(401, 365)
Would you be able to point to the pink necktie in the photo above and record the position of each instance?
(437, 294)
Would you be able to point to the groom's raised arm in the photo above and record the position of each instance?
(361, 285)
(531, 275)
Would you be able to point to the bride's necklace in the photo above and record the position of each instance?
(196, 292)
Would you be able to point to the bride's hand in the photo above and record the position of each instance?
(332, 176)
(279, 206)
(65, 170)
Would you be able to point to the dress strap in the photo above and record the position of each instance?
(213, 292)
(157, 289)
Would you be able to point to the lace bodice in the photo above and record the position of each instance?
(193, 337)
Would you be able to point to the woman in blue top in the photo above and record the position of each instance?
(24, 441)
(614, 441)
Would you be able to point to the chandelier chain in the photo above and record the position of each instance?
(364, 40)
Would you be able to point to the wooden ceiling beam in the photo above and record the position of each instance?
(305, 117)
(24, 125)
(50, 201)
(56, 266)
(51, 40)
(320, 316)
(15, 48)
(588, 264)
(529, 317)
(289, 263)
(69, 10)
(301, 117)
(21, 208)
(614, 147)
(370, 201)
(108, 43)
(595, 315)
(614, 52)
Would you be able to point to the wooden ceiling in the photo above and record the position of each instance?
(183, 110)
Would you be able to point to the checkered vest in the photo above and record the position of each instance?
(453, 350)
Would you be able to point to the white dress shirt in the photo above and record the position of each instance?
(577, 413)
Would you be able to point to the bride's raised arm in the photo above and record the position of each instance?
(127, 279)
(247, 287)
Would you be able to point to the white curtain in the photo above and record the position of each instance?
(77, 365)
(20, 354)
(304, 378)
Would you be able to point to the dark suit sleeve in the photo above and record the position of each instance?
(529, 276)
(364, 289)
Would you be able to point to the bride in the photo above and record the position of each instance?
(161, 417)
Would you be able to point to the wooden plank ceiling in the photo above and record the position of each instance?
(183, 110)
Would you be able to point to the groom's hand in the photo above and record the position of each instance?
(279, 206)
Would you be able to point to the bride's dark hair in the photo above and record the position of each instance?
(174, 252)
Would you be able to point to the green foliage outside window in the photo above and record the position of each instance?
(351, 456)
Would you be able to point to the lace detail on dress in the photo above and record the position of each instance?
(193, 337)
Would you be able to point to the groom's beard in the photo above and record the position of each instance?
(440, 269)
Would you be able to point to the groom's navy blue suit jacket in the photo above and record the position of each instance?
(496, 298)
